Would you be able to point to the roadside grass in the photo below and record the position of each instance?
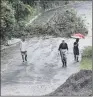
(86, 62)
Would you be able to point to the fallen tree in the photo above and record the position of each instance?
(63, 23)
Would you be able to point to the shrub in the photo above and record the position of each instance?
(67, 23)
(21, 10)
(14, 14)
(86, 62)
(7, 19)
(87, 52)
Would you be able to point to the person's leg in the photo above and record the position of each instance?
(74, 54)
(61, 57)
(77, 58)
(65, 59)
(77, 55)
(26, 56)
(65, 63)
(22, 56)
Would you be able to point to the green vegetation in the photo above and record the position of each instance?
(16, 13)
(14, 16)
(7, 19)
(62, 24)
(86, 62)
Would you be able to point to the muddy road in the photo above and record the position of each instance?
(43, 72)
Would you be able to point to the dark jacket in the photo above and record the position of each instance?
(63, 46)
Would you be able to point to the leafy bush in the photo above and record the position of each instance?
(87, 52)
(40, 30)
(21, 10)
(86, 62)
(14, 15)
(67, 23)
(7, 19)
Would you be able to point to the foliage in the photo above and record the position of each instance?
(14, 14)
(62, 24)
(87, 52)
(67, 23)
(30, 2)
(86, 62)
(45, 4)
(7, 19)
(21, 10)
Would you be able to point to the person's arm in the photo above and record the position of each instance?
(67, 46)
(59, 47)
(26, 45)
(75, 44)
(20, 45)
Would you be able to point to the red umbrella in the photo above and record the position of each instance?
(78, 35)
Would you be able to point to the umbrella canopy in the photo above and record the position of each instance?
(78, 35)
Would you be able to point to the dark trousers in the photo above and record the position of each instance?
(24, 55)
(76, 57)
(76, 54)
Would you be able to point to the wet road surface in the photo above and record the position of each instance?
(43, 72)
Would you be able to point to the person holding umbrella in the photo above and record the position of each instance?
(76, 50)
(77, 36)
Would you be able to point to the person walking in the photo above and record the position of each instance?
(76, 50)
(63, 47)
(23, 49)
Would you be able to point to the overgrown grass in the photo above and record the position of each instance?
(86, 62)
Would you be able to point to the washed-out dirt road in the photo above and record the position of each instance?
(43, 72)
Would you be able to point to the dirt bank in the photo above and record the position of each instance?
(79, 84)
